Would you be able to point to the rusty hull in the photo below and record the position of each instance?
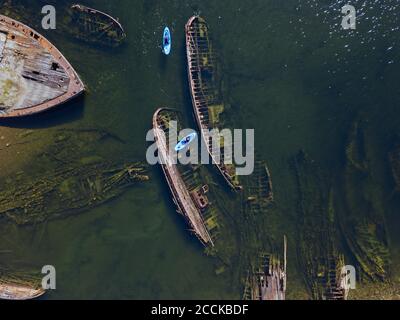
(34, 75)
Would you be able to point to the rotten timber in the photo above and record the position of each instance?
(34, 75)
(259, 189)
(182, 196)
(68, 190)
(267, 280)
(336, 280)
(93, 25)
(206, 97)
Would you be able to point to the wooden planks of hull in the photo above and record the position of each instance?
(12, 291)
(34, 75)
(178, 181)
(204, 91)
(267, 280)
(95, 26)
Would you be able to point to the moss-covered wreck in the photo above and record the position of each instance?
(72, 178)
(362, 220)
(318, 254)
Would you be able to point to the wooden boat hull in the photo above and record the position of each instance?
(267, 280)
(181, 197)
(95, 26)
(34, 75)
(10, 291)
(196, 74)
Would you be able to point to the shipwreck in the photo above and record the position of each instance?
(15, 291)
(206, 94)
(92, 25)
(189, 195)
(267, 279)
(34, 75)
(20, 284)
(67, 190)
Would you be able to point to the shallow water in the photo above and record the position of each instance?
(292, 74)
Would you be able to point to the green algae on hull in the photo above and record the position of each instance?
(66, 191)
(85, 24)
(72, 178)
(362, 222)
(200, 209)
(260, 253)
(235, 222)
(206, 91)
(94, 26)
(266, 279)
(318, 253)
(189, 194)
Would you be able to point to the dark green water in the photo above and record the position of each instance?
(292, 74)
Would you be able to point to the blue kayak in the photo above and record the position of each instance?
(167, 41)
(185, 142)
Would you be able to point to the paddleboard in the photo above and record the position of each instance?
(167, 41)
(185, 142)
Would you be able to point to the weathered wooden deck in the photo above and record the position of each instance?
(34, 75)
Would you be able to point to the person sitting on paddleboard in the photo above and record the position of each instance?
(186, 141)
(166, 41)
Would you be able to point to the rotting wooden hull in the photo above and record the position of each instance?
(76, 186)
(11, 291)
(336, 286)
(96, 26)
(181, 197)
(268, 280)
(200, 96)
(34, 75)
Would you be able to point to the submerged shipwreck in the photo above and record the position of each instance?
(206, 94)
(318, 253)
(363, 220)
(259, 189)
(72, 172)
(34, 75)
(267, 280)
(189, 196)
(92, 25)
(67, 190)
(266, 276)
